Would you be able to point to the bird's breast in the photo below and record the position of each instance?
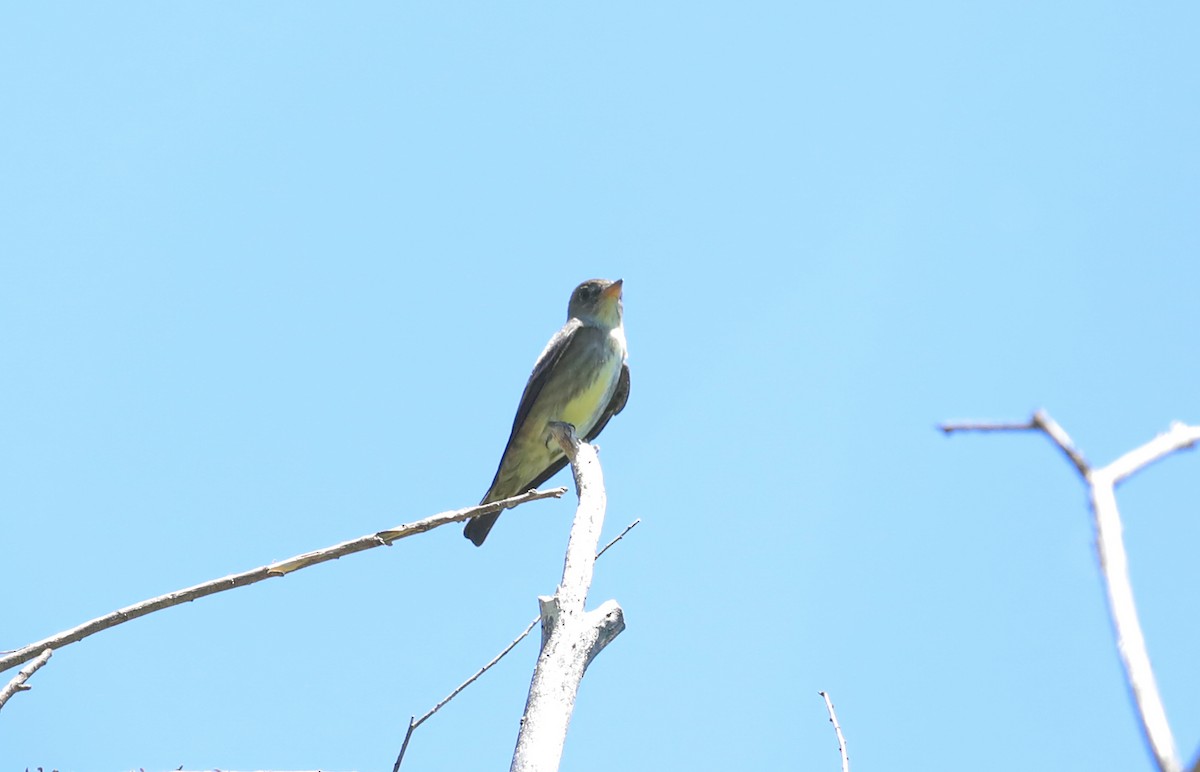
(596, 376)
(583, 408)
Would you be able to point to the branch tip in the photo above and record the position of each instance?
(837, 729)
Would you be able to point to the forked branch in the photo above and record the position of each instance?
(17, 684)
(414, 722)
(1114, 563)
(571, 635)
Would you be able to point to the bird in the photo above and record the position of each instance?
(581, 378)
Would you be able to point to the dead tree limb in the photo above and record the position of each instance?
(414, 722)
(571, 636)
(281, 568)
(837, 730)
(1114, 563)
(17, 684)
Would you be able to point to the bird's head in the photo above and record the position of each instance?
(598, 302)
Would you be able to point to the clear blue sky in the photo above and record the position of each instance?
(274, 274)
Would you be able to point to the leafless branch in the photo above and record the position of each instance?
(1040, 422)
(1114, 565)
(571, 635)
(414, 722)
(837, 728)
(950, 427)
(281, 568)
(17, 684)
(620, 536)
(412, 727)
(1178, 437)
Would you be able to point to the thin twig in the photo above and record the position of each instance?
(1114, 567)
(478, 673)
(281, 568)
(414, 722)
(950, 427)
(412, 725)
(404, 745)
(1041, 421)
(837, 728)
(17, 684)
(620, 536)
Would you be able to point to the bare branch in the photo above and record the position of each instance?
(281, 568)
(1060, 438)
(571, 636)
(1131, 643)
(491, 663)
(950, 427)
(17, 684)
(837, 728)
(412, 726)
(1041, 421)
(1114, 569)
(620, 536)
(589, 484)
(414, 722)
(1178, 437)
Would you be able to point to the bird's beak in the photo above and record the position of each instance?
(613, 291)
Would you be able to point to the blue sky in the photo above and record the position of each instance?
(273, 276)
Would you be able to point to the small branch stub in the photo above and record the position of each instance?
(17, 684)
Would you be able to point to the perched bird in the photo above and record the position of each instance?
(581, 378)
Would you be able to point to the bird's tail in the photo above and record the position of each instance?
(477, 527)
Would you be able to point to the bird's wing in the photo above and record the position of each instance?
(550, 356)
(615, 405)
(546, 361)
